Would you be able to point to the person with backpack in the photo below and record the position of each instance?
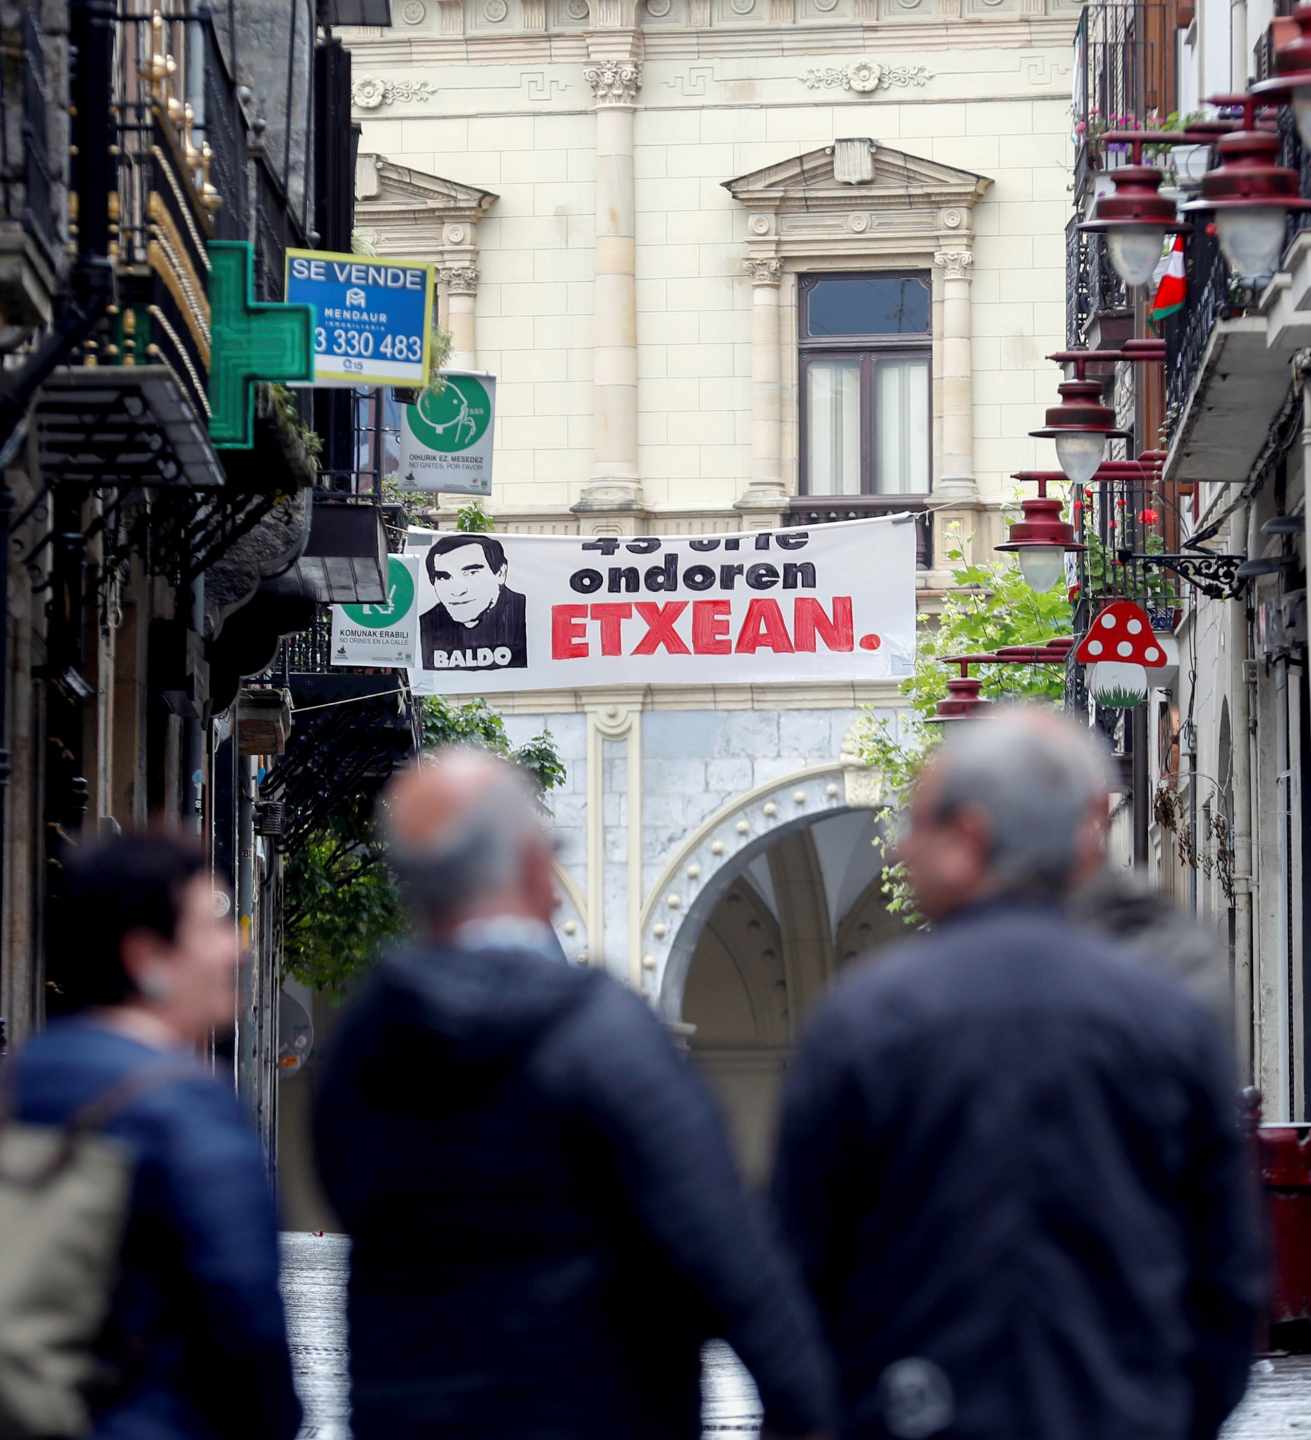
(139, 1266)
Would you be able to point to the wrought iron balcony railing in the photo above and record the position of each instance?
(830, 509)
(1115, 59)
(1093, 291)
(1211, 296)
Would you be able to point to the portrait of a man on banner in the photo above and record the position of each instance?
(477, 622)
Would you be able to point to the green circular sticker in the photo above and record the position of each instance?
(400, 597)
(452, 418)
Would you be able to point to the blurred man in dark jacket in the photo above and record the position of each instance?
(1009, 1159)
(1124, 904)
(546, 1221)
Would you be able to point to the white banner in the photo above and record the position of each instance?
(546, 612)
(384, 635)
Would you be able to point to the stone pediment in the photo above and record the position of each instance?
(855, 174)
(387, 192)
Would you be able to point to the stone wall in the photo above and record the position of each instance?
(660, 803)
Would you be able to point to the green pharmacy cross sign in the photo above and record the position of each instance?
(252, 340)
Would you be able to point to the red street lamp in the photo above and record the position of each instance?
(1041, 539)
(1293, 74)
(1136, 217)
(1081, 424)
(962, 701)
(1250, 195)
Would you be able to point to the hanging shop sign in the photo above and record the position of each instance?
(547, 612)
(252, 341)
(446, 436)
(1118, 650)
(386, 634)
(373, 316)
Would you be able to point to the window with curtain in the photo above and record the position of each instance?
(866, 384)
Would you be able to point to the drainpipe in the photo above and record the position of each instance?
(195, 729)
(1141, 780)
(1245, 1017)
(248, 985)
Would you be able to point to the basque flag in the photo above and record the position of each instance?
(1171, 282)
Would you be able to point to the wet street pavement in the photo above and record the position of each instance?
(1278, 1404)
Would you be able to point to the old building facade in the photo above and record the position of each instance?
(734, 263)
(151, 576)
(1217, 809)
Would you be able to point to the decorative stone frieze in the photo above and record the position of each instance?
(864, 77)
(368, 92)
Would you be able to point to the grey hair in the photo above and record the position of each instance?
(1036, 776)
(474, 857)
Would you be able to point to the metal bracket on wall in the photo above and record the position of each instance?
(1214, 575)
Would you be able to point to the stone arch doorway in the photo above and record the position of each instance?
(760, 946)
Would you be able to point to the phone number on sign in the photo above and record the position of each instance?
(337, 341)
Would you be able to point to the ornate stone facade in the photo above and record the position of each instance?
(646, 189)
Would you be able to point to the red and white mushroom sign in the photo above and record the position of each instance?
(1119, 649)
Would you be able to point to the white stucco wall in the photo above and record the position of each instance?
(506, 108)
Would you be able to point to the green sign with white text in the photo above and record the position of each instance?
(446, 437)
(382, 635)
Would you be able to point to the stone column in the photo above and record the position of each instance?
(461, 282)
(457, 281)
(614, 483)
(956, 472)
(765, 489)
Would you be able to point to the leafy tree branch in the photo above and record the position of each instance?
(993, 606)
(341, 902)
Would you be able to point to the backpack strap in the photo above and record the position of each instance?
(90, 1118)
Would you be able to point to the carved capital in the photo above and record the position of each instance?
(956, 263)
(614, 82)
(460, 279)
(764, 272)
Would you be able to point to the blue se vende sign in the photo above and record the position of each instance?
(373, 316)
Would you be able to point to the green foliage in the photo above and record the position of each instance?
(473, 519)
(474, 722)
(992, 607)
(439, 352)
(285, 405)
(341, 904)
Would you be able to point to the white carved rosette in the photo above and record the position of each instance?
(368, 92)
(864, 77)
